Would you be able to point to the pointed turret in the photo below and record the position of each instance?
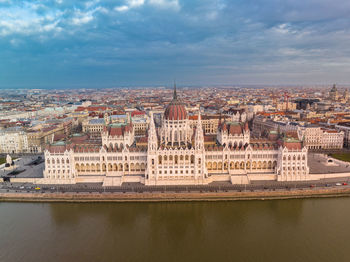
(199, 144)
(152, 136)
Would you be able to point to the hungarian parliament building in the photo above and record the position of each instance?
(176, 152)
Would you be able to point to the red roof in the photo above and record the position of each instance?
(293, 145)
(175, 111)
(137, 113)
(119, 130)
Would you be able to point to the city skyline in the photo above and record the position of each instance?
(102, 44)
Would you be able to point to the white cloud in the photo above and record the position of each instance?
(83, 17)
(122, 8)
(129, 4)
(282, 28)
(30, 18)
(173, 4)
(135, 3)
(25, 20)
(163, 4)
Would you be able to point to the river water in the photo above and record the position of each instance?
(278, 230)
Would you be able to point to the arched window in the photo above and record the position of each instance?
(137, 167)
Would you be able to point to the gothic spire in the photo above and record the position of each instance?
(199, 132)
(174, 95)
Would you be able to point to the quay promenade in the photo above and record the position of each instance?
(139, 193)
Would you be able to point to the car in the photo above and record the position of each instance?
(312, 185)
(21, 187)
(328, 185)
(338, 184)
(345, 184)
(52, 188)
(37, 188)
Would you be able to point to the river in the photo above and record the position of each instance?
(276, 230)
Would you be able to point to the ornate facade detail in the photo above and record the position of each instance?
(176, 153)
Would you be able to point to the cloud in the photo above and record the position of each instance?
(81, 17)
(152, 41)
(121, 8)
(26, 20)
(163, 4)
(135, 3)
(166, 3)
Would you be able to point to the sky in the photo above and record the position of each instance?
(97, 44)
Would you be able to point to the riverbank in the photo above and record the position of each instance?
(171, 197)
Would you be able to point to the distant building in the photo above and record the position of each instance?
(345, 127)
(94, 126)
(13, 140)
(333, 93)
(315, 137)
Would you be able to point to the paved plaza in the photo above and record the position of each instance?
(26, 168)
(318, 165)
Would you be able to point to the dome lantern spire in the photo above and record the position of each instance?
(175, 94)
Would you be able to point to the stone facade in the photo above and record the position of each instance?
(175, 154)
(315, 137)
(13, 141)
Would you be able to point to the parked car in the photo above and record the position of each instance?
(338, 184)
(345, 184)
(37, 188)
(312, 185)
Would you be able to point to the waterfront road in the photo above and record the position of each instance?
(137, 188)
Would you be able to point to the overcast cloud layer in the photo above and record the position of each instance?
(109, 43)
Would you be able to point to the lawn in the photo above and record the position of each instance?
(342, 156)
(3, 160)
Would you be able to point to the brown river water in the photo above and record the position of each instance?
(276, 230)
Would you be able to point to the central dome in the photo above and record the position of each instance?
(175, 110)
